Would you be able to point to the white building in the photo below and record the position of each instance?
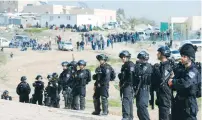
(192, 24)
(72, 19)
(103, 16)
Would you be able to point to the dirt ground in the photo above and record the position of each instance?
(32, 63)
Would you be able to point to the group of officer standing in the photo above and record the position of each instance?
(137, 80)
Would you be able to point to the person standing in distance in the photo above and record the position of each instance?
(23, 90)
(126, 78)
(101, 85)
(141, 84)
(185, 105)
(161, 74)
(38, 91)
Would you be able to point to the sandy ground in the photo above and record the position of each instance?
(32, 63)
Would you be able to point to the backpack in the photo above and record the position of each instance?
(89, 76)
(113, 74)
(24, 88)
(198, 85)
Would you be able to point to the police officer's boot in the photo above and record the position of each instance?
(82, 102)
(104, 106)
(76, 102)
(96, 106)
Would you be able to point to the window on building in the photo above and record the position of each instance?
(68, 18)
(51, 18)
(110, 17)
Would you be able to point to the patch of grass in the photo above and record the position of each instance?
(35, 30)
(112, 103)
(91, 67)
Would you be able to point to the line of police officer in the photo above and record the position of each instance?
(136, 81)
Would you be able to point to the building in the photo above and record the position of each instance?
(71, 19)
(104, 16)
(189, 25)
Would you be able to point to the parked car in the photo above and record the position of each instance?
(197, 42)
(175, 55)
(4, 43)
(65, 46)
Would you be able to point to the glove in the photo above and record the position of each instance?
(94, 76)
(120, 76)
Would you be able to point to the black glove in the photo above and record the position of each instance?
(94, 76)
(120, 76)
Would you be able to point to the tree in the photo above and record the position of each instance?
(132, 22)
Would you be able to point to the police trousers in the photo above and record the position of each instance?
(185, 108)
(127, 102)
(142, 100)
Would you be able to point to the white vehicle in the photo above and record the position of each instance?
(143, 36)
(66, 46)
(175, 55)
(197, 42)
(4, 42)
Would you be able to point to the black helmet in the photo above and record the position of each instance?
(73, 63)
(81, 62)
(38, 76)
(165, 51)
(102, 57)
(124, 53)
(23, 78)
(188, 50)
(65, 63)
(49, 76)
(55, 75)
(5, 92)
(143, 55)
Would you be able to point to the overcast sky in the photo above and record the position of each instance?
(158, 10)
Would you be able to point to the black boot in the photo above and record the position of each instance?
(104, 106)
(82, 102)
(96, 106)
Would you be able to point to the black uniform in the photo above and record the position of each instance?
(38, 92)
(47, 95)
(23, 90)
(54, 90)
(64, 81)
(126, 89)
(102, 78)
(160, 77)
(142, 82)
(6, 97)
(82, 78)
(187, 83)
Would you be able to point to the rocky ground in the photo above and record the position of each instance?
(32, 63)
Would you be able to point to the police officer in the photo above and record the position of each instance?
(161, 75)
(38, 91)
(185, 105)
(47, 100)
(64, 79)
(142, 82)
(126, 81)
(6, 96)
(23, 90)
(82, 77)
(101, 85)
(54, 91)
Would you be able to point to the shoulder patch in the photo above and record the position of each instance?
(132, 68)
(191, 74)
(107, 70)
(68, 75)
